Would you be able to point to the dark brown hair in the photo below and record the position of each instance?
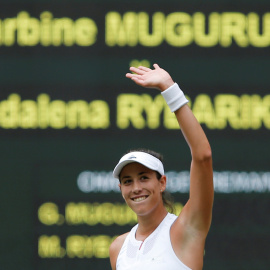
(167, 198)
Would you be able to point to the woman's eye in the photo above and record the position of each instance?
(126, 182)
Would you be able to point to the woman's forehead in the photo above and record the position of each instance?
(134, 168)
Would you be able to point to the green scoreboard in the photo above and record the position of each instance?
(67, 114)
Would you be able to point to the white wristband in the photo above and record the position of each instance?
(174, 97)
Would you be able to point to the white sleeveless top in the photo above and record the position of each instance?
(154, 253)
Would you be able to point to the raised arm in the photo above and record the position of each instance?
(197, 213)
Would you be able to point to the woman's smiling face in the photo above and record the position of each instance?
(141, 189)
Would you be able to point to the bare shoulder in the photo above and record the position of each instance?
(115, 248)
(118, 242)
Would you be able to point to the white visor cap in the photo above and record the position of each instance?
(143, 158)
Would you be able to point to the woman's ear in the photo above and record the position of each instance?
(119, 185)
(163, 182)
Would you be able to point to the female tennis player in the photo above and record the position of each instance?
(161, 240)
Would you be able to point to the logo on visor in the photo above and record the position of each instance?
(131, 157)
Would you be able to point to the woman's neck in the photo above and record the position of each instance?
(148, 223)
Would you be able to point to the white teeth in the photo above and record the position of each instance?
(139, 199)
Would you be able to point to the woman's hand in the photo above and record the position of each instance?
(151, 78)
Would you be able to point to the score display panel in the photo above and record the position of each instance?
(67, 114)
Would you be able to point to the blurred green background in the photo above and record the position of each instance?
(67, 108)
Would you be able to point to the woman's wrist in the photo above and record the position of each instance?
(174, 97)
(166, 84)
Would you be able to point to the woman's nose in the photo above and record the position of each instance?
(137, 187)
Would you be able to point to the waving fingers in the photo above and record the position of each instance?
(150, 78)
(146, 69)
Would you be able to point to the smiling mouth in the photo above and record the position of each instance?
(139, 199)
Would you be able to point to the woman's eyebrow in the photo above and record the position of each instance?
(127, 176)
